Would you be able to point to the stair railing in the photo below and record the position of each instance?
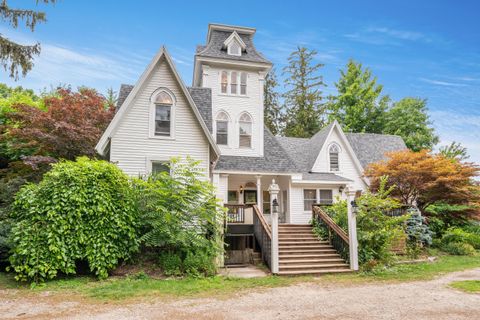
(263, 234)
(337, 237)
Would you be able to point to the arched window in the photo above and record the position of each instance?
(333, 152)
(224, 83)
(163, 103)
(245, 125)
(222, 128)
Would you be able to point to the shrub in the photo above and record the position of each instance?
(80, 211)
(376, 232)
(180, 215)
(417, 230)
(171, 263)
(199, 264)
(459, 249)
(442, 216)
(461, 236)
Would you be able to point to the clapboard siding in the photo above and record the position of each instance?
(234, 106)
(131, 147)
(297, 213)
(346, 161)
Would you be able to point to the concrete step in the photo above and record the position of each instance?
(313, 266)
(312, 261)
(312, 272)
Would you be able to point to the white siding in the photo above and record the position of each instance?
(132, 149)
(234, 106)
(348, 168)
(297, 213)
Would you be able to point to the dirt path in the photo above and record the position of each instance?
(412, 300)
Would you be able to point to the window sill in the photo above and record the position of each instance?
(233, 95)
(161, 137)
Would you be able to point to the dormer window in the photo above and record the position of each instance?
(234, 49)
(333, 152)
(234, 44)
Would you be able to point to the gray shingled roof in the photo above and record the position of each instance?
(123, 94)
(203, 100)
(275, 159)
(371, 147)
(324, 176)
(214, 48)
(305, 151)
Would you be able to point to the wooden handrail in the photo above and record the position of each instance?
(262, 221)
(329, 222)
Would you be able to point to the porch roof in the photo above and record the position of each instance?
(324, 176)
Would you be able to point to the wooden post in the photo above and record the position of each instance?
(352, 228)
(274, 189)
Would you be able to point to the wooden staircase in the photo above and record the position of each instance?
(300, 252)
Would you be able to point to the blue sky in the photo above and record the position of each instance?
(428, 49)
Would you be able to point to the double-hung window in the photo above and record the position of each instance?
(163, 114)
(333, 152)
(222, 128)
(245, 134)
(224, 83)
(160, 166)
(243, 83)
(234, 82)
(309, 198)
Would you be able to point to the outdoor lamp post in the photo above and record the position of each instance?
(274, 189)
(275, 206)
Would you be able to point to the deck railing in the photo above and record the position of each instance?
(336, 235)
(398, 212)
(235, 213)
(263, 234)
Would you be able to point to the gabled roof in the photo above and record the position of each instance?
(235, 37)
(366, 147)
(103, 144)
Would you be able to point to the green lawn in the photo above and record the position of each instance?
(471, 286)
(124, 288)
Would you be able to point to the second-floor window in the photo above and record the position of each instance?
(245, 134)
(222, 128)
(233, 82)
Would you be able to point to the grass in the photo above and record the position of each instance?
(131, 287)
(470, 286)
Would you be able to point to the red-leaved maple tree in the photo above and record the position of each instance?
(423, 178)
(70, 126)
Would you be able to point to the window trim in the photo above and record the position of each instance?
(317, 196)
(334, 145)
(229, 48)
(151, 159)
(153, 107)
(220, 112)
(251, 129)
(229, 84)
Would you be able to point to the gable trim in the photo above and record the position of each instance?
(349, 148)
(235, 36)
(103, 143)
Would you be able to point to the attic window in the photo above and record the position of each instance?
(333, 152)
(234, 49)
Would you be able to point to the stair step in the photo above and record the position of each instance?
(304, 246)
(306, 256)
(302, 241)
(313, 266)
(310, 261)
(301, 251)
(312, 271)
(289, 225)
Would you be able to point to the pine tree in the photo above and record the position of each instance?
(303, 100)
(13, 55)
(111, 98)
(359, 106)
(272, 107)
(454, 150)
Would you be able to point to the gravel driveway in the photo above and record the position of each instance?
(411, 300)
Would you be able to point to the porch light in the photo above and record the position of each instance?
(341, 189)
(275, 206)
(241, 189)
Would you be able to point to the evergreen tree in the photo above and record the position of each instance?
(303, 100)
(409, 119)
(359, 106)
(111, 98)
(272, 107)
(14, 55)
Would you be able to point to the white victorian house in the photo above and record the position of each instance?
(219, 120)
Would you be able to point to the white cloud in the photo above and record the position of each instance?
(443, 83)
(387, 36)
(399, 34)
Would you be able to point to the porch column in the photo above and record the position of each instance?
(259, 193)
(352, 228)
(274, 189)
